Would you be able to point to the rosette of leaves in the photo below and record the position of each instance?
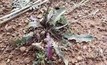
(52, 23)
(55, 26)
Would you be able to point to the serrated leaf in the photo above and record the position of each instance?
(58, 51)
(58, 14)
(24, 39)
(78, 38)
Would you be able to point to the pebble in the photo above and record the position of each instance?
(79, 58)
(8, 60)
(22, 49)
(27, 60)
(59, 60)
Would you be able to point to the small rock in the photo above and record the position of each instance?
(8, 60)
(59, 60)
(23, 49)
(9, 28)
(84, 47)
(79, 58)
(27, 60)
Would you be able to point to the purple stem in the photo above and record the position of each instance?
(49, 47)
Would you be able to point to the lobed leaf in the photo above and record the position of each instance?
(58, 14)
(78, 38)
(58, 51)
(24, 39)
(51, 43)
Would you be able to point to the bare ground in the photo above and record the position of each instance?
(91, 53)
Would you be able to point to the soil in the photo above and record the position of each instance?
(90, 53)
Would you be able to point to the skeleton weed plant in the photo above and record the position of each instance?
(53, 29)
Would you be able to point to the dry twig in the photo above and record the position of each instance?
(14, 14)
(78, 5)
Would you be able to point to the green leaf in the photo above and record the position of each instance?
(78, 38)
(24, 39)
(65, 61)
(58, 51)
(62, 20)
(35, 62)
(58, 14)
(33, 24)
(50, 14)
